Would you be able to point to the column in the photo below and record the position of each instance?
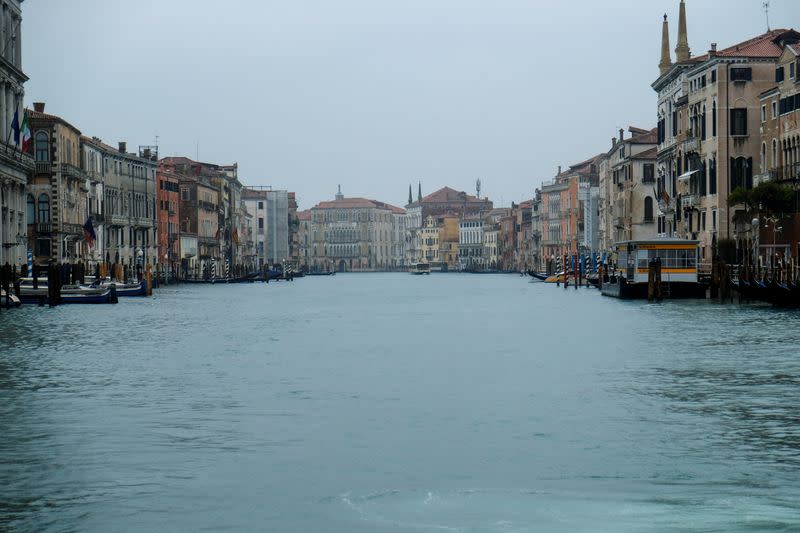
(18, 44)
(3, 125)
(3, 15)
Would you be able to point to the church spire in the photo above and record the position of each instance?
(410, 198)
(682, 52)
(666, 60)
(419, 192)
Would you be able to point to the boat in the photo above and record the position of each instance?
(323, 273)
(538, 275)
(9, 300)
(558, 277)
(420, 268)
(70, 294)
(679, 269)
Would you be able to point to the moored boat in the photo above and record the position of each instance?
(420, 268)
(9, 300)
(678, 266)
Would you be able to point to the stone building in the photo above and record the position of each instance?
(122, 201)
(169, 220)
(17, 208)
(57, 191)
(709, 133)
(305, 240)
(354, 234)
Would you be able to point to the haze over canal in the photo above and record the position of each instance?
(390, 402)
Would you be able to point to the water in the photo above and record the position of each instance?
(391, 402)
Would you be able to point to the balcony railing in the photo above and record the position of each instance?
(689, 201)
(44, 167)
(692, 144)
(208, 206)
(44, 227)
(72, 229)
(787, 172)
(71, 170)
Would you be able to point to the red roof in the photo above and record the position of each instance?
(358, 203)
(304, 215)
(46, 116)
(448, 195)
(767, 45)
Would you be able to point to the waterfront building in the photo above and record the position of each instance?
(444, 201)
(632, 202)
(293, 227)
(169, 219)
(561, 214)
(523, 225)
(353, 234)
(17, 206)
(470, 242)
(448, 226)
(57, 190)
(537, 262)
(305, 239)
(272, 212)
(429, 241)
(122, 202)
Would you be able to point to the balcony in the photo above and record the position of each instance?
(71, 171)
(691, 144)
(784, 173)
(44, 167)
(44, 227)
(71, 229)
(690, 201)
(117, 220)
(142, 222)
(98, 218)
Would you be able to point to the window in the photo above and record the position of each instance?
(714, 76)
(648, 209)
(763, 156)
(739, 122)
(763, 113)
(42, 146)
(703, 221)
(741, 74)
(648, 175)
(714, 220)
(703, 124)
(185, 193)
(779, 74)
(30, 210)
(791, 71)
(703, 81)
(261, 205)
(712, 176)
(774, 153)
(43, 247)
(774, 109)
(44, 208)
(741, 173)
(714, 119)
(260, 222)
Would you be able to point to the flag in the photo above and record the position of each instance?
(26, 132)
(15, 126)
(88, 232)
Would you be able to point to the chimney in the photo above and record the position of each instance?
(713, 51)
(38, 107)
(123, 147)
(621, 134)
(613, 141)
(559, 170)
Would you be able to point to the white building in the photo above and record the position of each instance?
(14, 165)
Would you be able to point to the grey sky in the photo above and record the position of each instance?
(371, 94)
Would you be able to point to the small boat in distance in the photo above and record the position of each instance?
(420, 268)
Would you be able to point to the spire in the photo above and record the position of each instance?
(419, 192)
(666, 60)
(410, 198)
(682, 52)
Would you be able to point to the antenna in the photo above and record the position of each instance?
(766, 11)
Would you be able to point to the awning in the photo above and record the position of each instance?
(687, 175)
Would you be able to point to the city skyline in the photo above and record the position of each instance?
(366, 97)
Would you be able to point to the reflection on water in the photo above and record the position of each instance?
(395, 402)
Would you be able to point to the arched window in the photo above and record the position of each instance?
(648, 209)
(763, 157)
(44, 208)
(31, 210)
(774, 153)
(42, 146)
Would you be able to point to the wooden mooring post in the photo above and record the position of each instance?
(654, 280)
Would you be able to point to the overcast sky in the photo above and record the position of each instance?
(369, 94)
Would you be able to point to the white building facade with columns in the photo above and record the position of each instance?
(14, 165)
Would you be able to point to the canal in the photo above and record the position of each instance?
(390, 402)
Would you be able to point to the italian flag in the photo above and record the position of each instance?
(25, 129)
